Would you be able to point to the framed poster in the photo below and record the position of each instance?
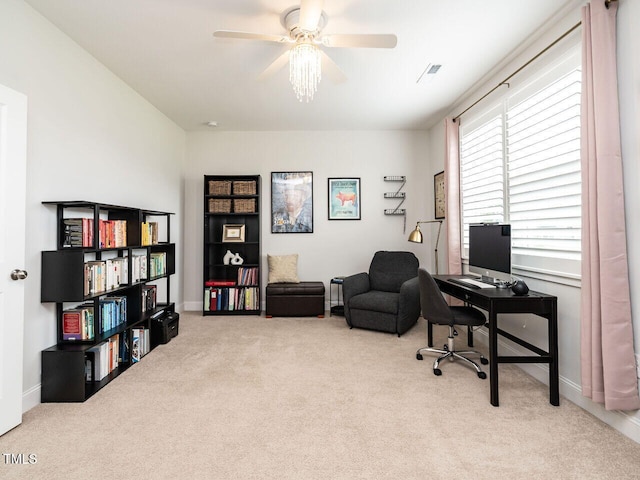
(438, 194)
(344, 198)
(291, 202)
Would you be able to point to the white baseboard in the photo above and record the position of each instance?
(626, 424)
(192, 306)
(30, 398)
(197, 306)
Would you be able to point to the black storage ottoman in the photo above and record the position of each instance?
(304, 299)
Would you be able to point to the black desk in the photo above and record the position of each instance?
(496, 301)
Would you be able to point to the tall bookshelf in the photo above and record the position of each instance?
(111, 266)
(231, 270)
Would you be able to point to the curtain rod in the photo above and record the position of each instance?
(606, 4)
(504, 82)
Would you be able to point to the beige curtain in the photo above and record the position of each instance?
(608, 360)
(452, 196)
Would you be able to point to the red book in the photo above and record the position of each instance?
(219, 283)
(72, 325)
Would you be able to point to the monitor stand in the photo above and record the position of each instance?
(495, 282)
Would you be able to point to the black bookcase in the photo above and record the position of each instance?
(146, 264)
(231, 273)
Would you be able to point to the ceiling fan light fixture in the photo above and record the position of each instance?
(305, 70)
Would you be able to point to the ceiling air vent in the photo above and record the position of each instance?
(429, 72)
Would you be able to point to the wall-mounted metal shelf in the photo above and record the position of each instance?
(398, 195)
(394, 195)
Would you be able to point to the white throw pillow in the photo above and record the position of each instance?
(283, 268)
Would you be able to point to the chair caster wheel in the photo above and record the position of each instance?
(484, 361)
(437, 372)
(418, 356)
(482, 375)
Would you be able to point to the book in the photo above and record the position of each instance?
(149, 296)
(219, 283)
(140, 343)
(157, 264)
(95, 279)
(72, 325)
(113, 233)
(77, 323)
(100, 354)
(124, 347)
(139, 268)
(214, 299)
(77, 232)
(149, 233)
(136, 354)
(89, 366)
(247, 275)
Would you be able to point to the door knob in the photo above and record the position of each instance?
(18, 274)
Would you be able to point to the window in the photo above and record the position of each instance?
(520, 164)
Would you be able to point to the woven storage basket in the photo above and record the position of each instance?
(219, 205)
(244, 205)
(241, 187)
(219, 187)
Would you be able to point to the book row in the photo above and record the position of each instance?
(248, 276)
(149, 297)
(77, 323)
(157, 264)
(80, 323)
(149, 233)
(79, 232)
(140, 343)
(231, 298)
(104, 358)
(113, 312)
(103, 275)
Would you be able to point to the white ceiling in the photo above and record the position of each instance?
(165, 50)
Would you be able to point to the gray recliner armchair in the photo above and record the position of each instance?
(387, 298)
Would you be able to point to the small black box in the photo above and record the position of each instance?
(164, 328)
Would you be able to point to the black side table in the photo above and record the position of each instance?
(338, 308)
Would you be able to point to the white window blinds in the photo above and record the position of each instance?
(520, 164)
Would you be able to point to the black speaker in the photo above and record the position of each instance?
(520, 288)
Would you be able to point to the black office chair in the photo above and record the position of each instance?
(435, 310)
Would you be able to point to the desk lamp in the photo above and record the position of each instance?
(416, 236)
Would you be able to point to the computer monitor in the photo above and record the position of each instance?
(490, 252)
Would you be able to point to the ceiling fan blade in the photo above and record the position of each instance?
(332, 70)
(360, 40)
(310, 12)
(251, 36)
(276, 65)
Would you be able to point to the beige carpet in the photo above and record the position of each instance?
(306, 398)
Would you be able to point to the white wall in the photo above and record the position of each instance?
(335, 247)
(569, 296)
(90, 137)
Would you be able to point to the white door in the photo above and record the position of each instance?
(13, 162)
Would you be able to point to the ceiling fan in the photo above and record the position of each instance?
(307, 61)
